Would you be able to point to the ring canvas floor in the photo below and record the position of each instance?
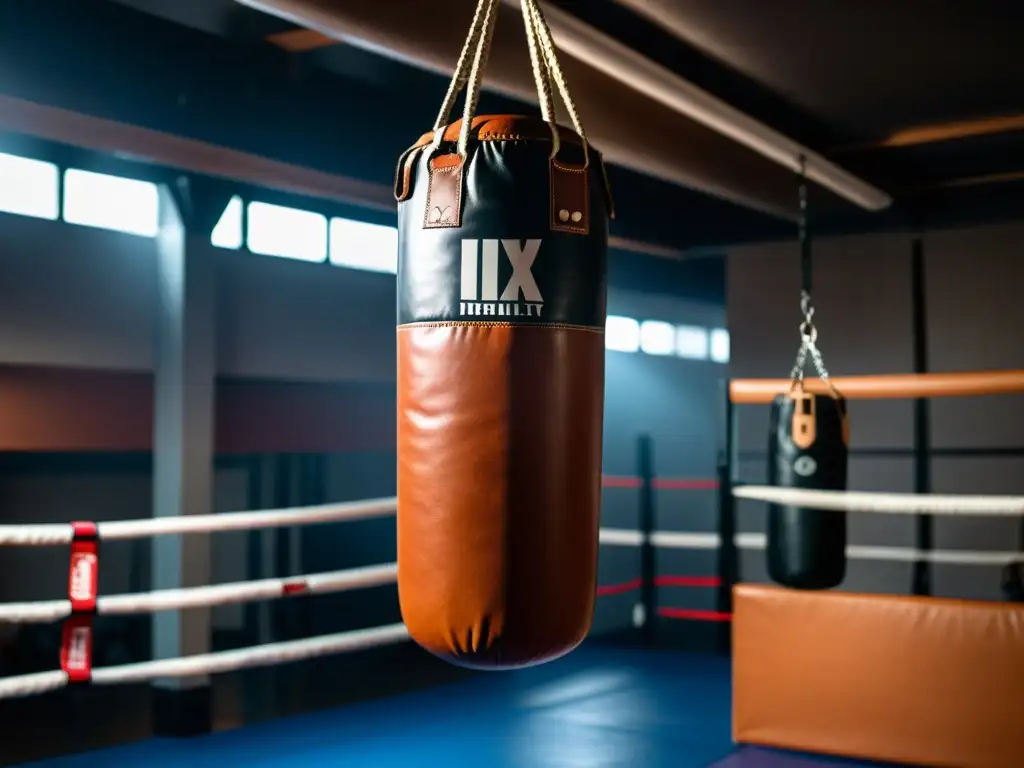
(597, 708)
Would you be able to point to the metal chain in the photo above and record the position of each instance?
(808, 331)
(809, 347)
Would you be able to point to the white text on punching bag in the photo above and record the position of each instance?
(480, 271)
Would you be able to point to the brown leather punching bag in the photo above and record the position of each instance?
(503, 233)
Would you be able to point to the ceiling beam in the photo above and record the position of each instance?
(146, 145)
(300, 40)
(643, 116)
(940, 132)
(1005, 177)
(609, 56)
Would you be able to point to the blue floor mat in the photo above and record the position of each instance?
(596, 708)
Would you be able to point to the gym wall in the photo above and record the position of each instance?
(862, 291)
(80, 298)
(676, 404)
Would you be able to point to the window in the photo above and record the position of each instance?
(692, 342)
(657, 338)
(720, 345)
(359, 245)
(622, 334)
(228, 232)
(111, 202)
(28, 187)
(290, 233)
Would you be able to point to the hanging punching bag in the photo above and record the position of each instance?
(503, 232)
(807, 449)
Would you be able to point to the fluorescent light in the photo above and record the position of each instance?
(361, 245)
(657, 338)
(720, 345)
(692, 342)
(28, 187)
(111, 202)
(228, 231)
(622, 334)
(290, 233)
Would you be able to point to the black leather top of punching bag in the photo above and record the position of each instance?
(495, 266)
(807, 449)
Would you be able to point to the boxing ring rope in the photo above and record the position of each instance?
(758, 541)
(204, 597)
(886, 503)
(45, 535)
(343, 580)
(76, 651)
(877, 387)
(211, 663)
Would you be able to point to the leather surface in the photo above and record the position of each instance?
(499, 489)
(914, 680)
(570, 198)
(504, 128)
(505, 206)
(444, 193)
(500, 404)
(807, 547)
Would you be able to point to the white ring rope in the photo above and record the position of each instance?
(199, 597)
(43, 535)
(890, 503)
(212, 663)
(758, 541)
(335, 581)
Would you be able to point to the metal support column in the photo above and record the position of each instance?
(648, 567)
(183, 437)
(924, 531)
(728, 557)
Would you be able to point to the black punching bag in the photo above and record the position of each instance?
(807, 449)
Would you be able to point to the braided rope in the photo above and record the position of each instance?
(461, 73)
(212, 663)
(476, 74)
(532, 8)
(886, 503)
(758, 541)
(541, 71)
(469, 71)
(50, 534)
(202, 597)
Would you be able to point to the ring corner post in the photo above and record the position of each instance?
(924, 528)
(183, 439)
(648, 560)
(728, 562)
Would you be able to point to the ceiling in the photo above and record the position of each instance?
(919, 99)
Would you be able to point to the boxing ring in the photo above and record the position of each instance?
(585, 709)
(913, 680)
(916, 680)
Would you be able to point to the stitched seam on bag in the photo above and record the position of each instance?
(460, 324)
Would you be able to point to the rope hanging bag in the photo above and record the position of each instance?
(503, 236)
(807, 448)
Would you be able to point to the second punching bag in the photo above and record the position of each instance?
(503, 234)
(807, 449)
